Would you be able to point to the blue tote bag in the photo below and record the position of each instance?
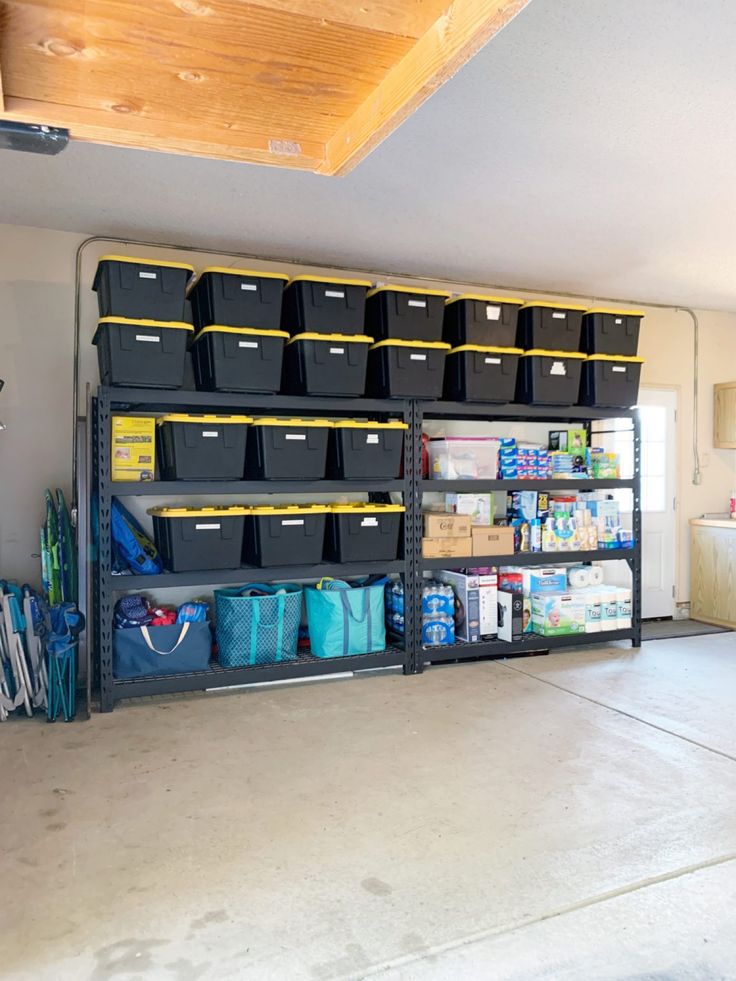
(345, 622)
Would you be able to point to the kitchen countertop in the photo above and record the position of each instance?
(714, 522)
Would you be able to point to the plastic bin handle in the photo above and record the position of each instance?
(149, 642)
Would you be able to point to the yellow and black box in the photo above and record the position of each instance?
(133, 448)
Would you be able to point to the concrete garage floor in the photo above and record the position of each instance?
(562, 817)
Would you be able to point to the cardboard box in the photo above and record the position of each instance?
(488, 592)
(441, 525)
(446, 548)
(510, 616)
(493, 541)
(480, 507)
(133, 451)
(467, 604)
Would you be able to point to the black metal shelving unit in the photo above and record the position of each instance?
(106, 585)
(576, 415)
(412, 657)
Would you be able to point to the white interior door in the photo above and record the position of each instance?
(658, 413)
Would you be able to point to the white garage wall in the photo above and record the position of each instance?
(36, 359)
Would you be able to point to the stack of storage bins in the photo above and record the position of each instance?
(612, 370)
(239, 345)
(328, 350)
(483, 362)
(551, 365)
(141, 336)
(408, 358)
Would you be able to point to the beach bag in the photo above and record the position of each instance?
(176, 649)
(344, 622)
(132, 549)
(255, 630)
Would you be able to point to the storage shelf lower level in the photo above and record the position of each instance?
(253, 573)
(533, 644)
(532, 558)
(305, 666)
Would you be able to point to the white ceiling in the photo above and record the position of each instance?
(591, 148)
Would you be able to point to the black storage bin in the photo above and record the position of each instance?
(550, 326)
(323, 305)
(141, 652)
(611, 331)
(610, 382)
(486, 320)
(365, 450)
(549, 377)
(141, 353)
(287, 449)
(474, 373)
(141, 288)
(237, 298)
(326, 364)
(284, 535)
(238, 359)
(407, 369)
(199, 539)
(363, 532)
(405, 313)
(201, 447)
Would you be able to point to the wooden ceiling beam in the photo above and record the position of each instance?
(451, 41)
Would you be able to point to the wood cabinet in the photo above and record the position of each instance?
(713, 571)
(724, 417)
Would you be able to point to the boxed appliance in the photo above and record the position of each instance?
(510, 615)
(479, 507)
(467, 604)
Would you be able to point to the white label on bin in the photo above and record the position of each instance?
(558, 316)
(369, 523)
(247, 343)
(492, 360)
(418, 303)
(558, 368)
(293, 521)
(493, 313)
(295, 436)
(249, 286)
(372, 438)
(210, 433)
(147, 337)
(417, 357)
(210, 527)
(618, 320)
(337, 350)
(147, 275)
(335, 294)
(617, 367)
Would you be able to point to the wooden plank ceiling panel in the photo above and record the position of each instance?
(254, 80)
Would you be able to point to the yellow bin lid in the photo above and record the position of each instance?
(484, 299)
(356, 507)
(292, 423)
(193, 417)
(306, 278)
(485, 349)
(420, 345)
(225, 511)
(333, 338)
(632, 359)
(416, 290)
(219, 329)
(553, 354)
(164, 263)
(267, 510)
(358, 424)
(127, 322)
(617, 313)
(554, 306)
(255, 273)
